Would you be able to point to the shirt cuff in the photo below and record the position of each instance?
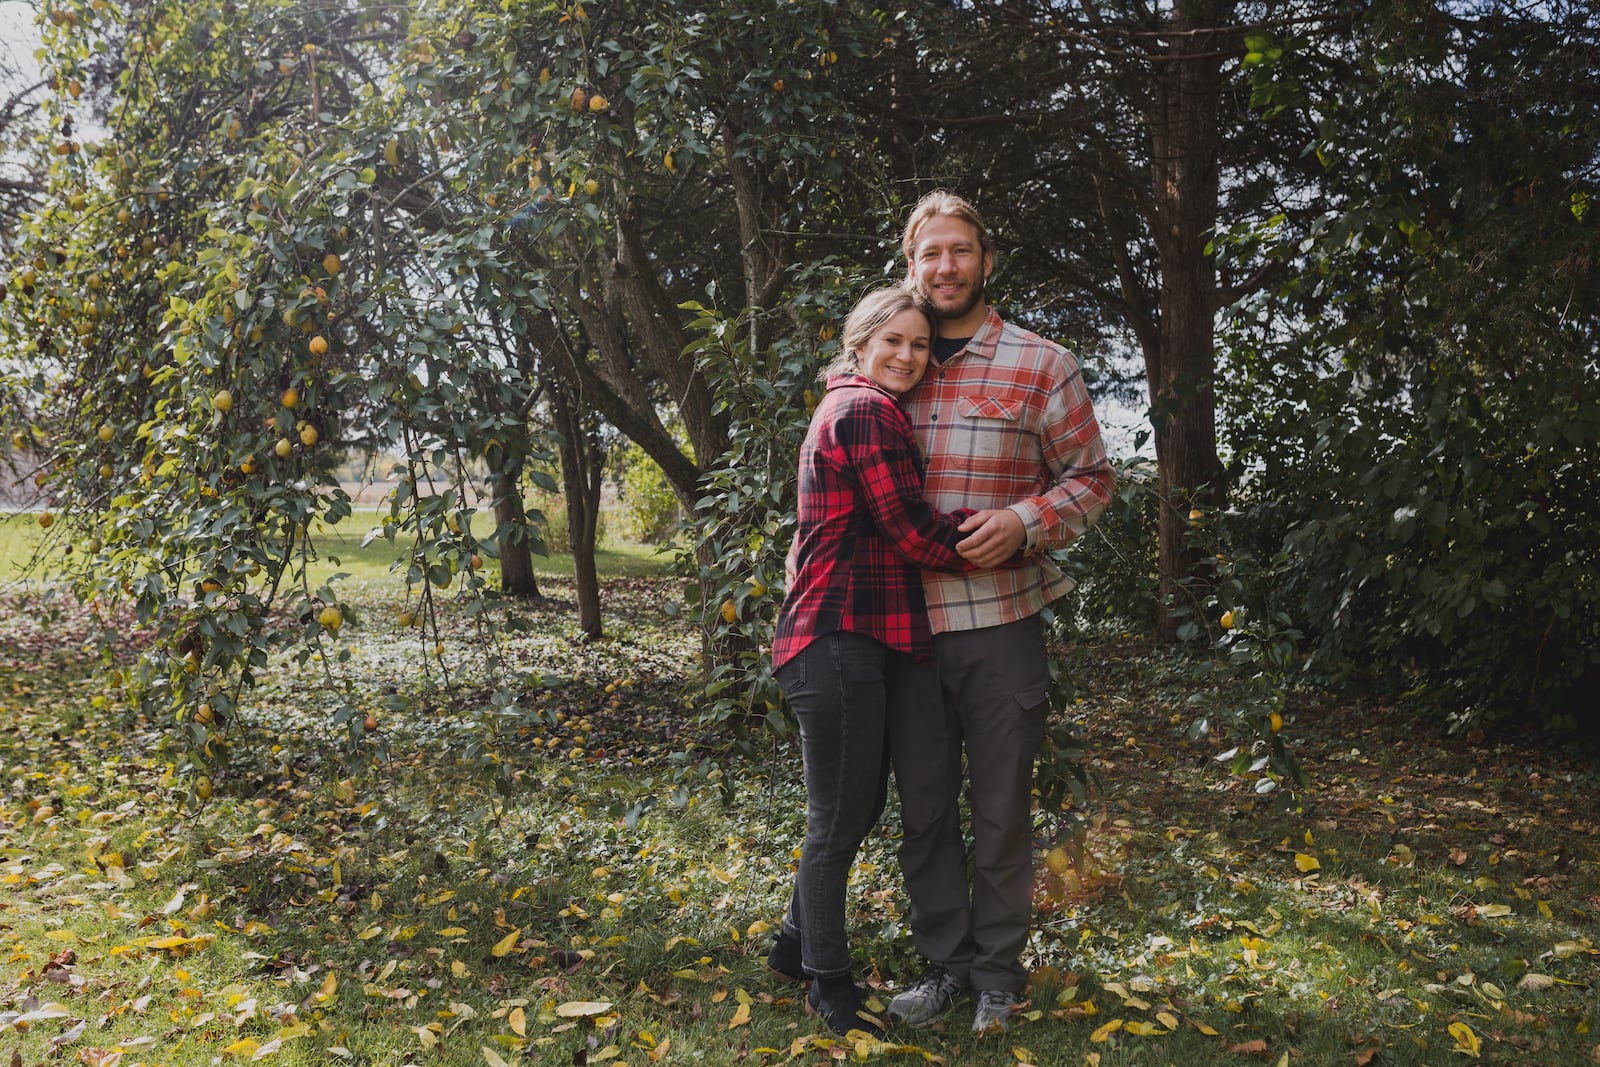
(1032, 521)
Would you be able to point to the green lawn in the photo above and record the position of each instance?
(470, 884)
(21, 537)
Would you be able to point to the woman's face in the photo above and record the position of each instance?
(897, 353)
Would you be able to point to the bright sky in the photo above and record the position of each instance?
(18, 40)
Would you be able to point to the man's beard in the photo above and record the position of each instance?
(974, 297)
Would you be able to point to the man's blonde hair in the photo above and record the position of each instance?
(944, 202)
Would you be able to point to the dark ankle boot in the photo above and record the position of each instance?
(837, 1002)
(784, 959)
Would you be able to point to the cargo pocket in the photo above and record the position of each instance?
(1035, 705)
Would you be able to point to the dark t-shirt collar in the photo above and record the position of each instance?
(945, 347)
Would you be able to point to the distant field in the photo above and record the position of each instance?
(21, 537)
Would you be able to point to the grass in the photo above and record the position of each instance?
(468, 886)
(339, 547)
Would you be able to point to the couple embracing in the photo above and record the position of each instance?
(950, 451)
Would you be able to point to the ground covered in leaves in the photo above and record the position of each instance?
(580, 877)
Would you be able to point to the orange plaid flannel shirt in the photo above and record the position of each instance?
(1007, 423)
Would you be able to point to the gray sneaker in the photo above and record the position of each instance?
(995, 1007)
(930, 996)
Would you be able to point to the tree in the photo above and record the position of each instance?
(340, 226)
(1110, 144)
(1419, 439)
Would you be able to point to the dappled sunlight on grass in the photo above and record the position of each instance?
(581, 875)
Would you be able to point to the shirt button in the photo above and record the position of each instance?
(933, 418)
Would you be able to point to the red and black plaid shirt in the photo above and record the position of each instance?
(865, 530)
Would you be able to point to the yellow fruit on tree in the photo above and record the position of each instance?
(730, 611)
(283, 448)
(591, 187)
(223, 401)
(47, 520)
(1195, 514)
(1227, 620)
(758, 587)
(598, 103)
(291, 397)
(319, 345)
(331, 264)
(106, 470)
(308, 435)
(203, 788)
(405, 620)
(1057, 860)
(204, 714)
(1275, 721)
(330, 617)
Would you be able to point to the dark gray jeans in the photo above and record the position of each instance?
(994, 696)
(841, 687)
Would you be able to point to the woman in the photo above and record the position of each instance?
(853, 631)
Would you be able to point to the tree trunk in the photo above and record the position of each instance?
(516, 553)
(1185, 164)
(582, 474)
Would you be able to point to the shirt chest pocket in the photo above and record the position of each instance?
(993, 425)
(1008, 409)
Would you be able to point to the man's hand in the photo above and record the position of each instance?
(995, 535)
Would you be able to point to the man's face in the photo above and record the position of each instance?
(949, 267)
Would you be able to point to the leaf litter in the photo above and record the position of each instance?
(1425, 901)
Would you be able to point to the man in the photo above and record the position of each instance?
(1006, 426)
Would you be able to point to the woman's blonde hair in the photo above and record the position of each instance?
(867, 318)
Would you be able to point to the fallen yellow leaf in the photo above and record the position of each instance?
(740, 1017)
(504, 946)
(1106, 1031)
(579, 1009)
(1466, 1041)
(1306, 863)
